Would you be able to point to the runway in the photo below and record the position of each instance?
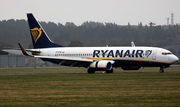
(83, 71)
(98, 73)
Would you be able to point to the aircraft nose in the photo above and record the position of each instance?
(174, 59)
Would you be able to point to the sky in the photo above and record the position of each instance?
(120, 12)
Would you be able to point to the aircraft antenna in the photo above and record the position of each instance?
(132, 44)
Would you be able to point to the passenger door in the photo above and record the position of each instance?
(154, 55)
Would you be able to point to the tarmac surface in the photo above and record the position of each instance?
(92, 74)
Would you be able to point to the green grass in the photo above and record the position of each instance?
(146, 88)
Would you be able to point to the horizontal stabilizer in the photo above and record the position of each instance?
(13, 51)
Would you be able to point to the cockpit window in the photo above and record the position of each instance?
(166, 53)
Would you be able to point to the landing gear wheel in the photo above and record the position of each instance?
(91, 71)
(161, 70)
(109, 71)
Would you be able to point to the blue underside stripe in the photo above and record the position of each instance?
(130, 60)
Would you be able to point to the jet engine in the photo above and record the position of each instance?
(100, 66)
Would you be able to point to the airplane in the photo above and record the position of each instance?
(95, 58)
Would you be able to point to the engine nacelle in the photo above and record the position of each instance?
(101, 65)
(131, 68)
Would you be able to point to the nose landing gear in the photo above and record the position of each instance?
(162, 68)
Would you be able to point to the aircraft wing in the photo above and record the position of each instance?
(67, 61)
(63, 60)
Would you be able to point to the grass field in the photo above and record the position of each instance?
(73, 87)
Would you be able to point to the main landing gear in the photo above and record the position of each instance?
(109, 71)
(92, 71)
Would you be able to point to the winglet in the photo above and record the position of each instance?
(23, 51)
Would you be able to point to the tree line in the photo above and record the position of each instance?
(90, 34)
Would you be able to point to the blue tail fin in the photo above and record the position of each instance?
(39, 37)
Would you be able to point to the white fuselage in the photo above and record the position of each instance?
(148, 56)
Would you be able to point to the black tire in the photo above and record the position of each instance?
(161, 71)
(109, 71)
(91, 71)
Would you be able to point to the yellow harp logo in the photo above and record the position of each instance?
(36, 33)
